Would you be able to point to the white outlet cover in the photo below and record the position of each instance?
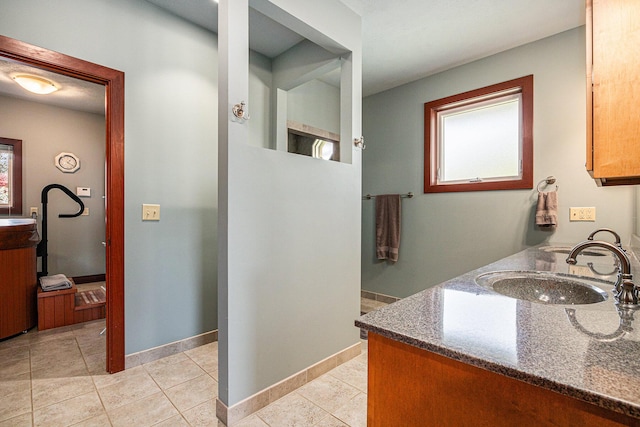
(83, 191)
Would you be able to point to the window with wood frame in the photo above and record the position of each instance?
(481, 139)
(10, 176)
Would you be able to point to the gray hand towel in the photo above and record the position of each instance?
(55, 282)
(547, 209)
(388, 226)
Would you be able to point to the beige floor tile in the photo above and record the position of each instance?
(64, 393)
(48, 391)
(15, 403)
(203, 415)
(71, 367)
(166, 361)
(171, 375)
(90, 347)
(203, 350)
(14, 384)
(91, 334)
(11, 353)
(251, 421)
(367, 305)
(17, 341)
(331, 421)
(292, 410)
(328, 392)
(176, 421)
(130, 389)
(145, 412)
(54, 342)
(353, 372)
(206, 357)
(12, 367)
(96, 363)
(105, 380)
(101, 420)
(193, 392)
(24, 420)
(50, 335)
(45, 358)
(70, 411)
(354, 412)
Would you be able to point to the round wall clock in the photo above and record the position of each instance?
(67, 162)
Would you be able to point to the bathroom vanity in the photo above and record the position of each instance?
(18, 277)
(462, 353)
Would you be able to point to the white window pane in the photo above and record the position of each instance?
(5, 174)
(481, 142)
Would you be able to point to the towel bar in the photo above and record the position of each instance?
(409, 195)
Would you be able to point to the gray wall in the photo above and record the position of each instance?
(315, 103)
(289, 229)
(444, 235)
(260, 100)
(170, 71)
(74, 244)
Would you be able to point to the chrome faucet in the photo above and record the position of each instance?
(608, 230)
(626, 291)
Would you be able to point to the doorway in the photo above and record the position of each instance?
(113, 81)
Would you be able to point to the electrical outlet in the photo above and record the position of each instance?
(85, 212)
(33, 211)
(150, 212)
(582, 214)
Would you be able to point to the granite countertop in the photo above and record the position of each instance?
(583, 351)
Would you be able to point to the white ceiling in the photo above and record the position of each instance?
(403, 40)
(73, 94)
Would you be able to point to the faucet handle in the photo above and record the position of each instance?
(628, 294)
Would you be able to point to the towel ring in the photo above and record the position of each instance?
(547, 181)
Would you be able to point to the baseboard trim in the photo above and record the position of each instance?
(146, 356)
(89, 279)
(231, 415)
(378, 297)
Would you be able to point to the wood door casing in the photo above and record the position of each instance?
(113, 80)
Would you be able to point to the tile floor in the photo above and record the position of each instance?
(57, 378)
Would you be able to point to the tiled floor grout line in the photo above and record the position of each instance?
(104, 408)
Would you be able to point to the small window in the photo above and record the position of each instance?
(10, 176)
(313, 142)
(480, 140)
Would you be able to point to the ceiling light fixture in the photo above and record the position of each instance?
(35, 84)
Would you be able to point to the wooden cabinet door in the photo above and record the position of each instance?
(613, 71)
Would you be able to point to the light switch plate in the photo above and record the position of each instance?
(150, 212)
(582, 214)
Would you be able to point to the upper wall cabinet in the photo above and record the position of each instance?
(613, 91)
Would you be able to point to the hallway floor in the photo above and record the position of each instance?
(57, 378)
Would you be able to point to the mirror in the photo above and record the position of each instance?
(294, 91)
